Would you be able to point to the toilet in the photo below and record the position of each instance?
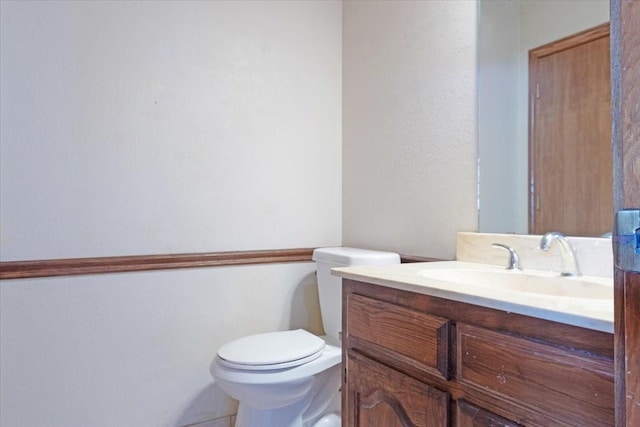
(292, 378)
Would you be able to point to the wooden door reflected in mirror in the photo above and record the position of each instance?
(570, 135)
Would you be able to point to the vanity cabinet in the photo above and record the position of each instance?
(416, 360)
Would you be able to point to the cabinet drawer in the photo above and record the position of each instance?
(408, 333)
(574, 388)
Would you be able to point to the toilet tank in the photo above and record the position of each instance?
(330, 287)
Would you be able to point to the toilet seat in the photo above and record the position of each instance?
(273, 350)
(330, 355)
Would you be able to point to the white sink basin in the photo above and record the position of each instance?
(529, 282)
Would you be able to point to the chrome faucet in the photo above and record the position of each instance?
(514, 259)
(567, 252)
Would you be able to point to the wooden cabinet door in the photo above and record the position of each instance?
(469, 415)
(383, 397)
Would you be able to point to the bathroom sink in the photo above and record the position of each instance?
(538, 282)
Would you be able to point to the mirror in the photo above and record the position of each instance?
(507, 30)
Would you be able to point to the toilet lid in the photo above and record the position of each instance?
(273, 350)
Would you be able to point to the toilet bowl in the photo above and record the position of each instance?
(292, 378)
(296, 392)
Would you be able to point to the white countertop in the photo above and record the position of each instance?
(591, 313)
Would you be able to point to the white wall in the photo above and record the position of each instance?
(158, 127)
(164, 127)
(409, 125)
(543, 22)
(508, 31)
(498, 127)
(134, 349)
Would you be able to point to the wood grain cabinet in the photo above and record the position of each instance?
(469, 415)
(415, 360)
(385, 397)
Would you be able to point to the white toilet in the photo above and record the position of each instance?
(292, 378)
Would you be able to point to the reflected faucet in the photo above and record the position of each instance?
(567, 252)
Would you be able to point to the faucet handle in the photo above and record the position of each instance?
(514, 259)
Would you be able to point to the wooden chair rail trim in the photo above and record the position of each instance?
(404, 258)
(119, 264)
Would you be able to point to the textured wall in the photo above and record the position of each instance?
(134, 349)
(164, 127)
(409, 125)
(158, 127)
(501, 209)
